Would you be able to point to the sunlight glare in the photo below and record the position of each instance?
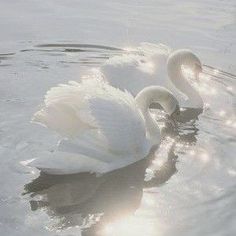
(131, 226)
(215, 71)
(158, 162)
(129, 49)
(162, 125)
(108, 230)
(204, 77)
(231, 172)
(187, 72)
(204, 157)
(231, 122)
(148, 67)
(192, 152)
(213, 91)
(149, 199)
(228, 122)
(206, 105)
(229, 88)
(222, 113)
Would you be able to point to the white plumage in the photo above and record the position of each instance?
(155, 64)
(102, 121)
(134, 72)
(102, 128)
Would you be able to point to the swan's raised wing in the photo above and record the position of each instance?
(128, 72)
(120, 121)
(61, 108)
(95, 107)
(135, 71)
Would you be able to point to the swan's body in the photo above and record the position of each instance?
(103, 128)
(156, 66)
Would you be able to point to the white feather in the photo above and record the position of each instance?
(154, 64)
(97, 121)
(134, 72)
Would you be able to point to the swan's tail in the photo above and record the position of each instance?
(89, 144)
(62, 163)
(86, 154)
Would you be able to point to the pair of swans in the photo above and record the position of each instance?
(105, 128)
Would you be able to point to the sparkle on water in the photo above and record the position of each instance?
(186, 188)
(132, 226)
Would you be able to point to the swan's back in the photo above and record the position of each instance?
(97, 120)
(133, 72)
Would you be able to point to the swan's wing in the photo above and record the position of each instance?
(128, 72)
(158, 55)
(60, 111)
(120, 71)
(62, 163)
(120, 121)
(151, 49)
(133, 72)
(78, 108)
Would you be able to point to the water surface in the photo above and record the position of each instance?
(186, 188)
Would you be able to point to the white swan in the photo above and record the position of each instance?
(134, 72)
(103, 128)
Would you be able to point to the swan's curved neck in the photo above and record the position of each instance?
(177, 77)
(152, 129)
(155, 94)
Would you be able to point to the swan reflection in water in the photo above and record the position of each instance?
(93, 203)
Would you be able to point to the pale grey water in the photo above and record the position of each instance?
(189, 189)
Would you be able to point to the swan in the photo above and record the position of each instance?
(103, 128)
(133, 72)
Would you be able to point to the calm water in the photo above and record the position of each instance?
(188, 187)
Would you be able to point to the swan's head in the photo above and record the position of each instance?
(154, 95)
(186, 58)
